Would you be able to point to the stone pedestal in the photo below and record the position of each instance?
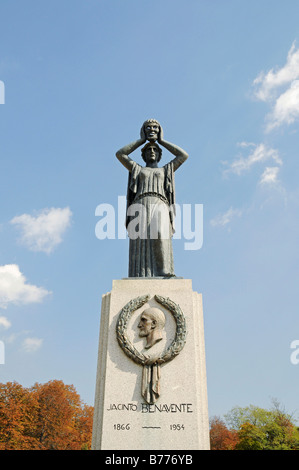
(175, 415)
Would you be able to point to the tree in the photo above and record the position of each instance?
(45, 416)
(222, 438)
(17, 417)
(251, 437)
(84, 426)
(59, 407)
(260, 429)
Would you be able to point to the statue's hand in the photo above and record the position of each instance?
(160, 135)
(142, 135)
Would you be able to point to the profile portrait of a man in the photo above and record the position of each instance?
(151, 324)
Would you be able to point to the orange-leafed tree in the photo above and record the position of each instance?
(18, 409)
(45, 416)
(221, 438)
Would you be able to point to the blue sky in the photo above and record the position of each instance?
(80, 79)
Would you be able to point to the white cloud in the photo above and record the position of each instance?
(281, 90)
(267, 84)
(246, 144)
(259, 153)
(223, 219)
(44, 231)
(286, 108)
(14, 336)
(14, 289)
(4, 323)
(32, 344)
(270, 175)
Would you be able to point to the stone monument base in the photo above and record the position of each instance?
(143, 407)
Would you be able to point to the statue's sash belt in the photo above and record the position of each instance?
(160, 196)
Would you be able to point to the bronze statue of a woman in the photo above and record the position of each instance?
(151, 195)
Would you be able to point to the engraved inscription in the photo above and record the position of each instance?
(172, 408)
(152, 408)
(122, 407)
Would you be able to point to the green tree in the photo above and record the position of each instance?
(261, 429)
(251, 437)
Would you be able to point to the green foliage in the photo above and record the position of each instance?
(251, 437)
(260, 429)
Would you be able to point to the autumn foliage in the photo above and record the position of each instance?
(221, 437)
(48, 416)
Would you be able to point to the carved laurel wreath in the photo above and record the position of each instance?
(121, 330)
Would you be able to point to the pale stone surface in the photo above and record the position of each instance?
(179, 419)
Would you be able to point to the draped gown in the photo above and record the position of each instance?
(150, 220)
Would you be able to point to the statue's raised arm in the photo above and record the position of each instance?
(180, 154)
(122, 154)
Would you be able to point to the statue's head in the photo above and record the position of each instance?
(151, 153)
(151, 324)
(151, 129)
